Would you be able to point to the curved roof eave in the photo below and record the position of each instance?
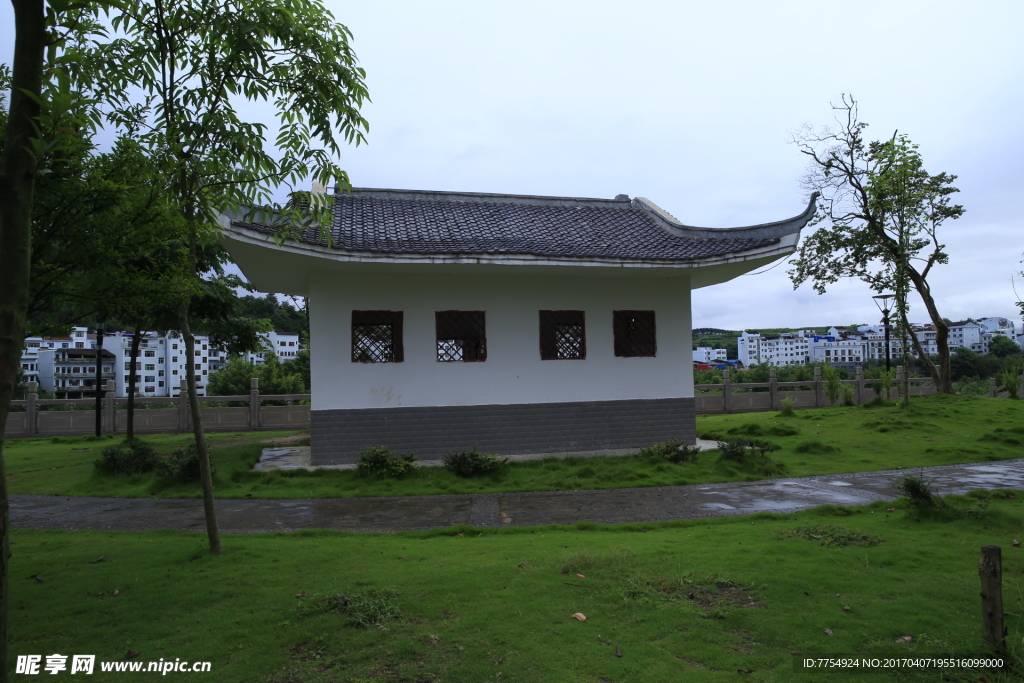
(775, 229)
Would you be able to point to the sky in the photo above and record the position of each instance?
(694, 106)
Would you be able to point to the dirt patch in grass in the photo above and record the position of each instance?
(294, 440)
(710, 599)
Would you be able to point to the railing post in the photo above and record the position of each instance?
(726, 391)
(899, 383)
(31, 414)
(859, 376)
(992, 387)
(110, 419)
(183, 416)
(819, 388)
(773, 389)
(254, 403)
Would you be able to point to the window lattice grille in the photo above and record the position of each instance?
(461, 336)
(377, 337)
(562, 335)
(634, 333)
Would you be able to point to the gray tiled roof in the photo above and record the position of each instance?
(422, 222)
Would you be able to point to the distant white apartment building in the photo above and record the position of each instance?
(71, 372)
(161, 363)
(706, 354)
(787, 348)
(285, 345)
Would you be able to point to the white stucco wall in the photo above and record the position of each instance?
(513, 371)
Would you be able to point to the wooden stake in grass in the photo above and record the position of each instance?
(990, 568)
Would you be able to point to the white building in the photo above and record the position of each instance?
(161, 364)
(779, 350)
(71, 372)
(706, 354)
(519, 324)
(285, 346)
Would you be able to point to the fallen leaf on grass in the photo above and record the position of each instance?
(1016, 543)
(745, 671)
(904, 639)
(583, 577)
(463, 535)
(846, 608)
(38, 578)
(301, 595)
(828, 632)
(890, 509)
(131, 653)
(618, 652)
(98, 559)
(579, 617)
(117, 592)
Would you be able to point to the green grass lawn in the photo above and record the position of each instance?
(734, 599)
(938, 430)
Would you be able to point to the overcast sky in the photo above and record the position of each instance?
(693, 105)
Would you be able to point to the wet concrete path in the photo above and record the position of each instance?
(610, 506)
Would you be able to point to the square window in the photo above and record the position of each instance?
(634, 333)
(461, 336)
(377, 337)
(562, 335)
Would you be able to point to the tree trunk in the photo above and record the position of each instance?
(209, 505)
(941, 373)
(17, 184)
(133, 367)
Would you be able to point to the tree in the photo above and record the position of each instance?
(195, 60)
(1001, 346)
(878, 217)
(55, 29)
(274, 378)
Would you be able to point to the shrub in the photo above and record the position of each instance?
(848, 395)
(673, 450)
(181, 466)
(1010, 378)
(916, 491)
(788, 404)
(832, 383)
(472, 463)
(378, 462)
(738, 450)
(750, 455)
(130, 457)
(815, 447)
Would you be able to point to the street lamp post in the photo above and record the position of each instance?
(882, 301)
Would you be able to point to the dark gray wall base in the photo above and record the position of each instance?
(338, 436)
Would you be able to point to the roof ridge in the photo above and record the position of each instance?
(621, 201)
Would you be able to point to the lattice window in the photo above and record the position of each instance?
(634, 333)
(461, 336)
(377, 337)
(562, 335)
